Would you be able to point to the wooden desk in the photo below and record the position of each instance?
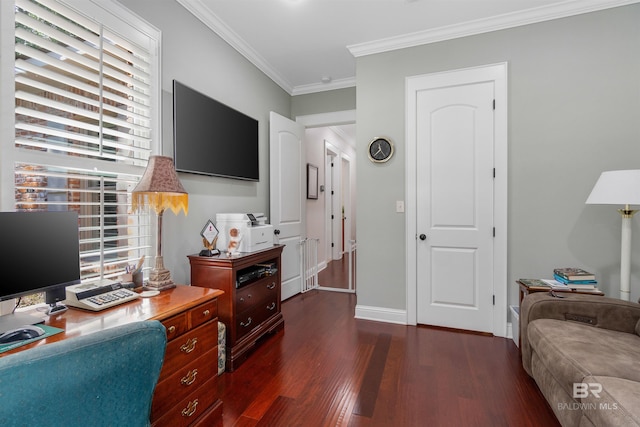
(187, 312)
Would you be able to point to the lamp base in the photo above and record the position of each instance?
(159, 277)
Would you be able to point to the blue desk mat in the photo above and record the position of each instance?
(48, 331)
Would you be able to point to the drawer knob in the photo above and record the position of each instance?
(272, 285)
(246, 324)
(189, 346)
(271, 306)
(206, 313)
(189, 378)
(172, 329)
(190, 409)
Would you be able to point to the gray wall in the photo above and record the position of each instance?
(574, 111)
(197, 57)
(323, 102)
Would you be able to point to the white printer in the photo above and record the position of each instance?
(253, 233)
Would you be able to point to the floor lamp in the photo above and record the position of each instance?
(160, 188)
(620, 188)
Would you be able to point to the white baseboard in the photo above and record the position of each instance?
(509, 330)
(380, 314)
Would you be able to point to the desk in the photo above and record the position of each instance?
(186, 312)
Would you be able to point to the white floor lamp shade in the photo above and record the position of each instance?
(620, 187)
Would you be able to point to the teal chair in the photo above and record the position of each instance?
(103, 379)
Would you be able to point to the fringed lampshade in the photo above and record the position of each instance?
(159, 188)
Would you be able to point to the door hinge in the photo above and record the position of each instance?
(494, 232)
(332, 244)
(494, 300)
(494, 104)
(332, 216)
(494, 172)
(332, 192)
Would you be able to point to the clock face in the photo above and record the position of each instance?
(380, 150)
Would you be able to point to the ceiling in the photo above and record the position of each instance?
(308, 46)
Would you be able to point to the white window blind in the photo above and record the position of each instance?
(84, 99)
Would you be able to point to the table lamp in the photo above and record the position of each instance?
(620, 188)
(160, 188)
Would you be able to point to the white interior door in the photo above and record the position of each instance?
(287, 198)
(455, 145)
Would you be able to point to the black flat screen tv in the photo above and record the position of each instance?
(210, 138)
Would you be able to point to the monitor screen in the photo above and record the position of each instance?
(41, 252)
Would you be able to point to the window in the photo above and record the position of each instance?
(85, 122)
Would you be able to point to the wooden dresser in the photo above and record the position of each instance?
(251, 309)
(186, 393)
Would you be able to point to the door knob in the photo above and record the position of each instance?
(423, 237)
(276, 231)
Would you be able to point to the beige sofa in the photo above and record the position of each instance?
(584, 353)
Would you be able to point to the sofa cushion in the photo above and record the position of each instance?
(638, 327)
(572, 351)
(615, 405)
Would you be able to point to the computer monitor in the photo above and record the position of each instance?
(41, 254)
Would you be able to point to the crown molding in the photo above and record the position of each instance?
(501, 22)
(480, 26)
(211, 20)
(322, 87)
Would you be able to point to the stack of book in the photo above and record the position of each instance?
(575, 278)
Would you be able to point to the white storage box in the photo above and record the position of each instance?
(515, 324)
(252, 238)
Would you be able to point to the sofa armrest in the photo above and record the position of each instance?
(593, 310)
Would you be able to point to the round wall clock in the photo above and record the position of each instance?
(380, 149)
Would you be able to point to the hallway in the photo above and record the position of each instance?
(336, 274)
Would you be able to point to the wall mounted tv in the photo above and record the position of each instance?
(210, 138)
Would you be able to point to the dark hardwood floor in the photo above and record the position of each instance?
(329, 369)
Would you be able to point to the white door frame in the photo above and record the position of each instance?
(346, 198)
(332, 200)
(498, 74)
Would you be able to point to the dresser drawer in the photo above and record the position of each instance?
(203, 313)
(250, 295)
(176, 325)
(250, 319)
(185, 380)
(191, 407)
(188, 347)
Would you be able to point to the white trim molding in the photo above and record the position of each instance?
(486, 25)
(198, 9)
(337, 118)
(381, 314)
(321, 87)
(480, 26)
(215, 24)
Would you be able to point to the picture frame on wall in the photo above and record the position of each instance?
(312, 181)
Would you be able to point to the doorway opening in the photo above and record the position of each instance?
(330, 145)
